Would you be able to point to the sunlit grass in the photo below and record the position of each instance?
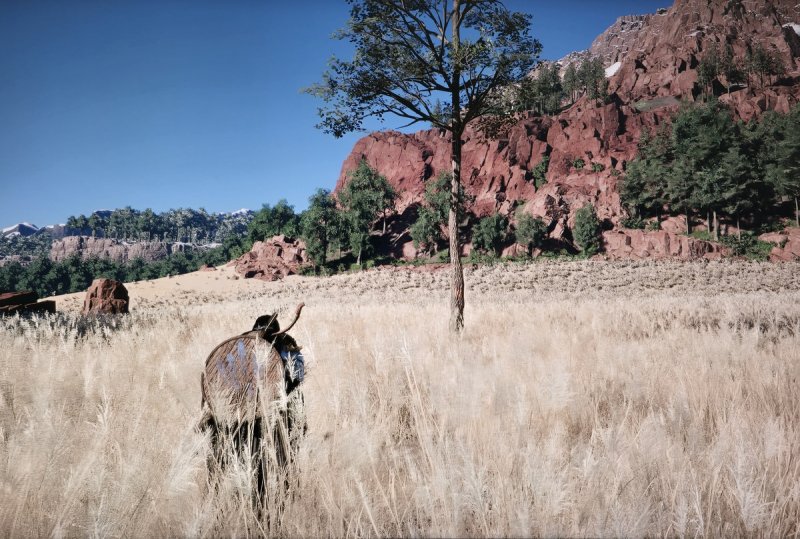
(584, 399)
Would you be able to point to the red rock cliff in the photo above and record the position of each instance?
(652, 63)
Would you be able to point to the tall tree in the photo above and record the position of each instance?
(364, 196)
(319, 225)
(435, 61)
(571, 82)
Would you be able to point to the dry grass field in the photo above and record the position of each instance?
(584, 399)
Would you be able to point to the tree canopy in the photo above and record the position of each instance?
(440, 62)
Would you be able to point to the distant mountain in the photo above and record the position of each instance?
(19, 229)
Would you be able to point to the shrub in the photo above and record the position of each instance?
(636, 223)
(587, 230)
(748, 246)
(490, 233)
(578, 164)
(598, 167)
(531, 231)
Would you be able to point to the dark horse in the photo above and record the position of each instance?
(251, 402)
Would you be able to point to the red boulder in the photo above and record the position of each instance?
(106, 296)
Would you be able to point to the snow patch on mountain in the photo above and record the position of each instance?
(612, 69)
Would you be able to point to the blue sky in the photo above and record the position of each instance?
(191, 103)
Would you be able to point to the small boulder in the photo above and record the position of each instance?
(106, 296)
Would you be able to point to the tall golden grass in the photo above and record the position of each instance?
(574, 405)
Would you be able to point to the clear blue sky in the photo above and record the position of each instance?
(191, 103)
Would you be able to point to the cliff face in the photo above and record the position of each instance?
(651, 61)
(660, 57)
(88, 247)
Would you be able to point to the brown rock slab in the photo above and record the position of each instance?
(272, 259)
(106, 296)
(18, 298)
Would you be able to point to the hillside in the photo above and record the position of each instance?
(652, 64)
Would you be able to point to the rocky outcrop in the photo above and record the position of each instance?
(106, 296)
(24, 303)
(88, 247)
(272, 259)
(787, 244)
(653, 63)
(658, 54)
(656, 244)
(587, 146)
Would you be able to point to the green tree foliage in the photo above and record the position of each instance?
(710, 164)
(426, 231)
(319, 225)
(571, 82)
(592, 77)
(182, 224)
(709, 68)
(429, 227)
(365, 196)
(781, 140)
(731, 69)
(272, 221)
(489, 234)
(542, 93)
(587, 231)
(49, 278)
(531, 231)
(764, 63)
(440, 62)
(539, 172)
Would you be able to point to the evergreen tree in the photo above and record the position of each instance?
(765, 63)
(709, 69)
(731, 69)
(587, 230)
(787, 161)
(571, 82)
(531, 231)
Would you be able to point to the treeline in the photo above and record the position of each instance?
(708, 164)
(720, 65)
(179, 225)
(73, 274)
(547, 92)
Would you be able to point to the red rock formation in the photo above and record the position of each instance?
(106, 296)
(658, 56)
(657, 244)
(787, 244)
(272, 259)
(661, 56)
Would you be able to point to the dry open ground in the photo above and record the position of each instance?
(584, 399)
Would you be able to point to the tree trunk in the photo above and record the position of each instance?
(688, 223)
(708, 222)
(738, 228)
(457, 283)
(716, 226)
(796, 213)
